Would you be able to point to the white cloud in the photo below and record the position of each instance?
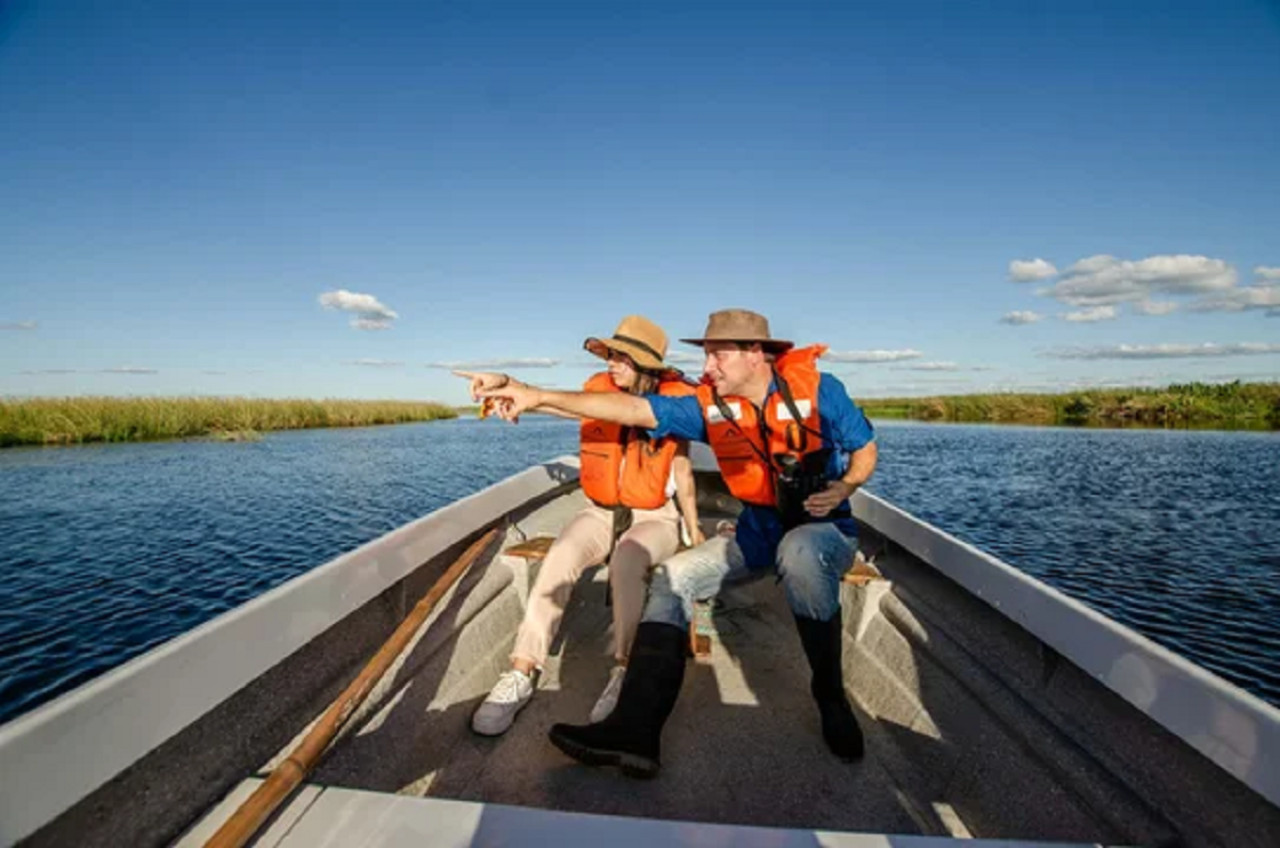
(1042, 383)
(129, 369)
(872, 355)
(19, 325)
(929, 366)
(1154, 307)
(1105, 280)
(1241, 299)
(1057, 383)
(1242, 376)
(1019, 317)
(1267, 272)
(679, 357)
(370, 313)
(491, 364)
(1164, 351)
(1025, 271)
(1097, 313)
(377, 363)
(52, 371)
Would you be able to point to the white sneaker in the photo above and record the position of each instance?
(495, 714)
(609, 697)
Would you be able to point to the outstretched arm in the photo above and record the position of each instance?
(484, 380)
(631, 410)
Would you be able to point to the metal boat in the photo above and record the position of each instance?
(995, 708)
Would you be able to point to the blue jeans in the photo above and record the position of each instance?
(810, 561)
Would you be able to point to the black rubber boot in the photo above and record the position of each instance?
(822, 642)
(628, 738)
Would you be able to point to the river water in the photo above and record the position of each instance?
(106, 551)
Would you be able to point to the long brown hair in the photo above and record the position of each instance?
(646, 382)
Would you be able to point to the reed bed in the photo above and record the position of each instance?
(75, 420)
(1227, 405)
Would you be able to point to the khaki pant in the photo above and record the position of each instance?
(654, 535)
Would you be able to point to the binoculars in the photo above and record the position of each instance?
(795, 480)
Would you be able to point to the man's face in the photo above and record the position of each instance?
(729, 367)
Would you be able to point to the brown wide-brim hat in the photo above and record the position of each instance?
(741, 325)
(637, 337)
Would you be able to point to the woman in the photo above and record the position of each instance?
(634, 484)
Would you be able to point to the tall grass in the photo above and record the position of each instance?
(60, 421)
(1229, 405)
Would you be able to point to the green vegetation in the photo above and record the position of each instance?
(61, 421)
(1225, 405)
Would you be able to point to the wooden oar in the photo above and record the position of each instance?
(246, 820)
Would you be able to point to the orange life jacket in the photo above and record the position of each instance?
(744, 445)
(620, 465)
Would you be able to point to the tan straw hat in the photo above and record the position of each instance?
(740, 325)
(637, 337)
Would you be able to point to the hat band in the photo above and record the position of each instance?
(644, 347)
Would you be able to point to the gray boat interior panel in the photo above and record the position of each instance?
(54, 756)
(1237, 731)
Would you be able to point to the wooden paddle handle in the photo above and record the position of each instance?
(246, 820)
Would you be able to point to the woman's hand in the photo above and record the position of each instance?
(696, 536)
(492, 406)
(512, 399)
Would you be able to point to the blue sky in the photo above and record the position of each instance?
(185, 185)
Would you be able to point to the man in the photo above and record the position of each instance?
(792, 447)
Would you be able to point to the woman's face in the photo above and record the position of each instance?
(623, 370)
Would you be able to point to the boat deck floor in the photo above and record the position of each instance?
(743, 744)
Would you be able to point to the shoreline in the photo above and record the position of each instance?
(38, 422)
(33, 422)
(1214, 406)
